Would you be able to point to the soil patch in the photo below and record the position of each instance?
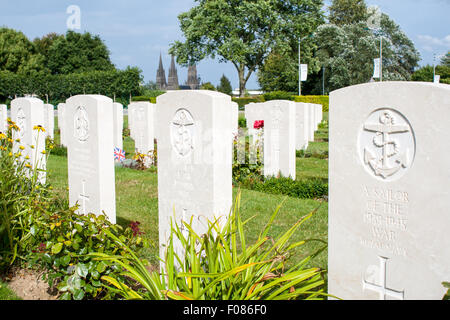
(28, 285)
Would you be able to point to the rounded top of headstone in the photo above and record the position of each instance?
(192, 93)
(30, 100)
(391, 84)
(96, 97)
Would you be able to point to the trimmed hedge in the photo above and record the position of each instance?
(246, 100)
(323, 100)
(304, 189)
(144, 98)
(118, 83)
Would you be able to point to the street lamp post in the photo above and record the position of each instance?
(299, 64)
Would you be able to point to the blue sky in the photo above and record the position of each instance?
(137, 31)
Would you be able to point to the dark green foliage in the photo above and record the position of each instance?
(323, 100)
(246, 100)
(426, 74)
(58, 88)
(225, 86)
(144, 98)
(207, 86)
(242, 122)
(305, 189)
(278, 95)
(78, 52)
(347, 12)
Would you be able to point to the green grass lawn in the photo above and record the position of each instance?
(6, 293)
(137, 200)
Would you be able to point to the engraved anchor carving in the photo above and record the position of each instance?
(181, 135)
(383, 140)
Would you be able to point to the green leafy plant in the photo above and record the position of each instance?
(221, 265)
(447, 294)
(64, 240)
(21, 196)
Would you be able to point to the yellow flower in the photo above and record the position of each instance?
(10, 140)
(22, 148)
(32, 146)
(39, 128)
(17, 140)
(28, 165)
(27, 157)
(10, 154)
(2, 136)
(43, 152)
(51, 146)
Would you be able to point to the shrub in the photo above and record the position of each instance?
(37, 229)
(323, 100)
(144, 98)
(278, 95)
(304, 189)
(220, 265)
(307, 189)
(246, 100)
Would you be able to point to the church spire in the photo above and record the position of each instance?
(161, 75)
(193, 80)
(172, 80)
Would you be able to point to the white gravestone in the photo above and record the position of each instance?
(234, 118)
(28, 114)
(61, 123)
(312, 122)
(49, 120)
(131, 110)
(3, 118)
(253, 112)
(389, 191)
(90, 154)
(318, 115)
(279, 138)
(301, 125)
(194, 159)
(279, 135)
(118, 125)
(143, 126)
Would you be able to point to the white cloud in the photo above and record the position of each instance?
(430, 41)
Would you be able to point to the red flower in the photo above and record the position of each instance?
(134, 225)
(258, 124)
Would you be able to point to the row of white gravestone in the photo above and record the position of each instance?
(194, 153)
(288, 126)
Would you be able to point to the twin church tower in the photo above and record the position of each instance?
(193, 82)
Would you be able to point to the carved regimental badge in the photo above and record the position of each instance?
(182, 132)
(81, 124)
(387, 144)
(21, 122)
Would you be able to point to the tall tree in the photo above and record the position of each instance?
(243, 32)
(17, 53)
(78, 52)
(342, 12)
(445, 61)
(225, 85)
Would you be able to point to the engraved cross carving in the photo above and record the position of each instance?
(381, 288)
(83, 196)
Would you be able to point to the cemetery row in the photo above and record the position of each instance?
(389, 171)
